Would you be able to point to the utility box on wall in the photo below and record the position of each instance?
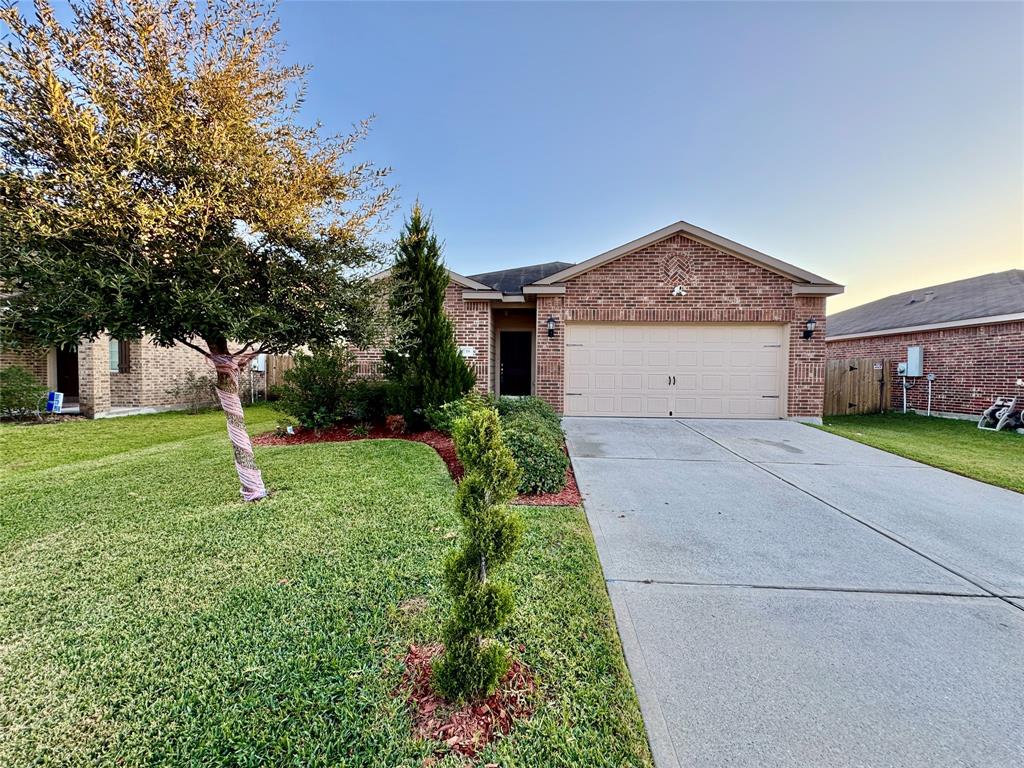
(914, 365)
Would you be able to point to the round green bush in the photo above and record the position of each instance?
(537, 449)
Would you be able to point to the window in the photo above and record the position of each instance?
(120, 357)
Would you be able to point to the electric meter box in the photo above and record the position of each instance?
(915, 362)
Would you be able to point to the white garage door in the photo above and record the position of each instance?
(711, 371)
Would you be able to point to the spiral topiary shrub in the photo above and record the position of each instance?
(473, 661)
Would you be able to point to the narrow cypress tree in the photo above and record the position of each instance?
(423, 357)
(473, 662)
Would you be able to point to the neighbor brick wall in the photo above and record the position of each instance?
(472, 322)
(33, 360)
(972, 365)
(720, 289)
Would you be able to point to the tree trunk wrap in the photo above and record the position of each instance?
(227, 367)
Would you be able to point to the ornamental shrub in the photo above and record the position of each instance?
(317, 390)
(20, 394)
(537, 449)
(423, 356)
(443, 418)
(531, 407)
(473, 661)
(196, 390)
(372, 400)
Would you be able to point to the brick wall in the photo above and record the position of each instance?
(472, 321)
(31, 359)
(720, 289)
(972, 366)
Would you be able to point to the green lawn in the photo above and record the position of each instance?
(149, 617)
(959, 446)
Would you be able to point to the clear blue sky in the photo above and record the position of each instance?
(877, 144)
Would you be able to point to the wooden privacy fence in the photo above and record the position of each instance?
(859, 385)
(276, 366)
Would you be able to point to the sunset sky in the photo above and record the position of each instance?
(879, 145)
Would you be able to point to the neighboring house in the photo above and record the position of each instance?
(971, 333)
(108, 377)
(680, 322)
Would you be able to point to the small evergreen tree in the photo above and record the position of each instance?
(473, 662)
(423, 357)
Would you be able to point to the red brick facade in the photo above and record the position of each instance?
(472, 321)
(972, 365)
(720, 288)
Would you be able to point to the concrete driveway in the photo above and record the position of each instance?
(787, 597)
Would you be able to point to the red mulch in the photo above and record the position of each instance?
(440, 442)
(467, 729)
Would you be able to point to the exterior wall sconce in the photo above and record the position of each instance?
(551, 326)
(811, 325)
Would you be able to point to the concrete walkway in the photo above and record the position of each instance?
(787, 597)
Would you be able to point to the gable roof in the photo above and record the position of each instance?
(812, 281)
(511, 281)
(455, 277)
(961, 302)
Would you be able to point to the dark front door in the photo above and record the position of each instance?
(516, 362)
(67, 372)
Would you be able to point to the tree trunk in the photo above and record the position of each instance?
(226, 365)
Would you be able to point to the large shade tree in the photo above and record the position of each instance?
(156, 180)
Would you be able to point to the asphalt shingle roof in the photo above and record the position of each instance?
(999, 293)
(511, 281)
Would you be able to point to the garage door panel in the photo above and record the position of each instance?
(638, 369)
(632, 382)
(657, 358)
(685, 358)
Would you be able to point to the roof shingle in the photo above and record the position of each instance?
(511, 281)
(998, 293)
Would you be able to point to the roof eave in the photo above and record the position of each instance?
(965, 323)
(455, 277)
(701, 235)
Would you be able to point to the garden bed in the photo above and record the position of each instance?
(569, 496)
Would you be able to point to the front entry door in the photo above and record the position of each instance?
(67, 372)
(516, 362)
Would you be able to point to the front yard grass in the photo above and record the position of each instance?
(951, 444)
(149, 617)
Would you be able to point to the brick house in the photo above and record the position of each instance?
(680, 322)
(107, 377)
(971, 334)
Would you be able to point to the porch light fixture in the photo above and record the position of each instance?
(811, 325)
(551, 326)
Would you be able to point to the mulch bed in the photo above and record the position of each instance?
(569, 496)
(467, 729)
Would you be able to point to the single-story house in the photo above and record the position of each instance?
(679, 322)
(971, 335)
(109, 377)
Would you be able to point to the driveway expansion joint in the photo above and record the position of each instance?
(974, 580)
(808, 588)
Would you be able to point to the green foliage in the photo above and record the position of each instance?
(532, 407)
(423, 357)
(208, 637)
(318, 388)
(21, 395)
(372, 399)
(473, 662)
(443, 418)
(194, 390)
(537, 448)
(156, 181)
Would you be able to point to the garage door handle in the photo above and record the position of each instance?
(771, 397)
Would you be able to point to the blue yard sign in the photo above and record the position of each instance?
(54, 402)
